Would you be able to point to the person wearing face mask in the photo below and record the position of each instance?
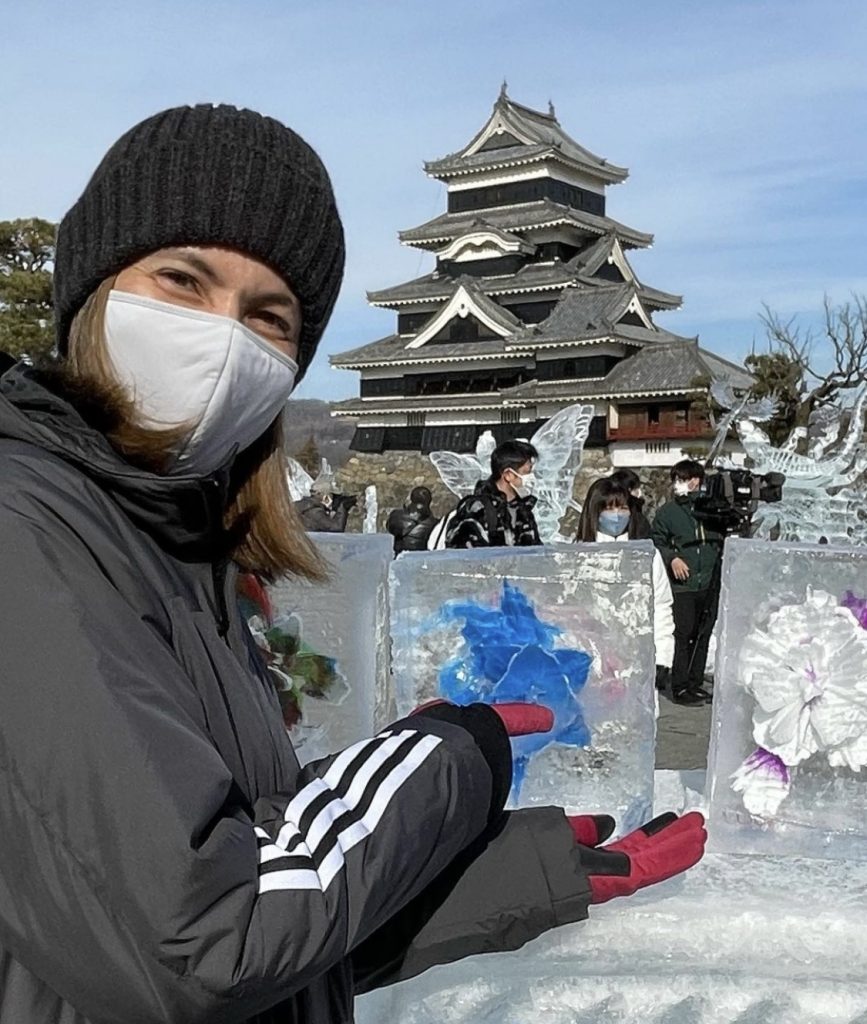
(606, 516)
(499, 512)
(153, 812)
(629, 479)
(691, 550)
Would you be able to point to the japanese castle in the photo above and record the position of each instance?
(532, 306)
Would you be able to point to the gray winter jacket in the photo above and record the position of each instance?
(163, 858)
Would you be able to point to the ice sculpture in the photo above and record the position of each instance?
(764, 940)
(489, 624)
(789, 736)
(371, 509)
(300, 481)
(328, 644)
(560, 443)
(825, 493)
(736, 406)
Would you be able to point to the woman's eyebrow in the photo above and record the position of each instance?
(280, 298)
(196, 262)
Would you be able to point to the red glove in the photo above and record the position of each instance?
(658, 850)
(519, 718)
(590, 829)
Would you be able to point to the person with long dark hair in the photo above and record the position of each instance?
(631, 481)
(606, 516)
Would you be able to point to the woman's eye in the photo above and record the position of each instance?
(275, 323)
(178, 278)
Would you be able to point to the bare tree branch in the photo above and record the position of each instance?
(843, 339)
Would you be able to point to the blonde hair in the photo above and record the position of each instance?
(268, 536)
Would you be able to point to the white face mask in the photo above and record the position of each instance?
(527, 485)
(681, 488)
(183, 366)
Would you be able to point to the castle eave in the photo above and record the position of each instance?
(524, 156)
(425, 359)
(533, 216)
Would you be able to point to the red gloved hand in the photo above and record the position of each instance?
(658, 850)
(590, 829)
(519, 718)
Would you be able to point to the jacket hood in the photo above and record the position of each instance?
(184, 514)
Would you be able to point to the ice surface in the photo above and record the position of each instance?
(825, 493)
(343, 625)
(560, 444)
(501, 624)
(300, 481)
(737, 940)
(781, 624)
(371, 508)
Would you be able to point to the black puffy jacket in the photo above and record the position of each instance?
(410, 527)
(163, 857)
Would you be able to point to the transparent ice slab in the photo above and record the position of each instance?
(345, 622)
(593, 598)
(825, 811)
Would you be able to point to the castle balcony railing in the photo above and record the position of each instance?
(659, 431)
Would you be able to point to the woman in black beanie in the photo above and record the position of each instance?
(163, 856)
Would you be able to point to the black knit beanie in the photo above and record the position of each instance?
(206, 175)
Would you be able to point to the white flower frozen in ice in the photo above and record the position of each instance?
(807, 670)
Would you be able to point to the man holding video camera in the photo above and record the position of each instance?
(324, 511)
(691, 548)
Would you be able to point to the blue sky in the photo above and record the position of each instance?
(742, 124)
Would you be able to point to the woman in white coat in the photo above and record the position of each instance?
(606, 516)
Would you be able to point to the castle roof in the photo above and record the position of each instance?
(515, 135)
(532, 277)
(536, 215)
(670, 367)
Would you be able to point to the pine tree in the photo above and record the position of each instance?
(26, 252)
(309, 457)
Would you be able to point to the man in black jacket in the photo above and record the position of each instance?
(499, 512)
(411, 525)
(691, 550)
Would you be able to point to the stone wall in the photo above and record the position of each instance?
(394, 474)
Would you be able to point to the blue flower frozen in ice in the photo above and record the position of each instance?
(511, 656)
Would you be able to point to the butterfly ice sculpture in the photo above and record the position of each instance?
(560, 444)
(737, 407)
(300, 481)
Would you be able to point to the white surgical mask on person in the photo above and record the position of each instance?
(527, 485)
(184, 366)
(681, 488)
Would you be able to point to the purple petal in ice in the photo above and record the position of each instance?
(856, 605)
(763, 760)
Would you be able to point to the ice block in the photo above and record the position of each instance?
(568, 626)
(788, 749)
(329, 644)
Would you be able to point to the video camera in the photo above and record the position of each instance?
(728, 499)
(347, 501)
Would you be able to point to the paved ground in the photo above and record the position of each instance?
(682, 735)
